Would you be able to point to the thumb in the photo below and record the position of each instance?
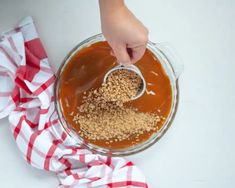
(122, 55)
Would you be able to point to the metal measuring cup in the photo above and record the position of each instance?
(136, 70)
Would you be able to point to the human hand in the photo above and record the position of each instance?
(126, 35)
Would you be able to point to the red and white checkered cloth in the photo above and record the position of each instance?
(26, 97)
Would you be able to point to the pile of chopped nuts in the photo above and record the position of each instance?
(103, 115)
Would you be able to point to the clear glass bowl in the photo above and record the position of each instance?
(172, 66)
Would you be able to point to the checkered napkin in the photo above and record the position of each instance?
(26, 97)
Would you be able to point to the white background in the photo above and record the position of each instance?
(199, 148)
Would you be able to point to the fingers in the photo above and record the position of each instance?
(128, 55)
(112, 53)
(137, 53)
(122, 55)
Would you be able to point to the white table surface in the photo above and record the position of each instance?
(199, 148)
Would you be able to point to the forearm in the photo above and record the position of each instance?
(109, 6)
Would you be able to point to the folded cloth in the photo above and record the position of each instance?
(26, 97)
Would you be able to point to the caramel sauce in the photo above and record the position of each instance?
(86, 70)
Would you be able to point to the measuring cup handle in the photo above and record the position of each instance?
(173, 57)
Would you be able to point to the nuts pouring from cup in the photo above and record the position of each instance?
(133, 69)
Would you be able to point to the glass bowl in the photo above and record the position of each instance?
(172, 66)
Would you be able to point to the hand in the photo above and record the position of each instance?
(126, 35)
